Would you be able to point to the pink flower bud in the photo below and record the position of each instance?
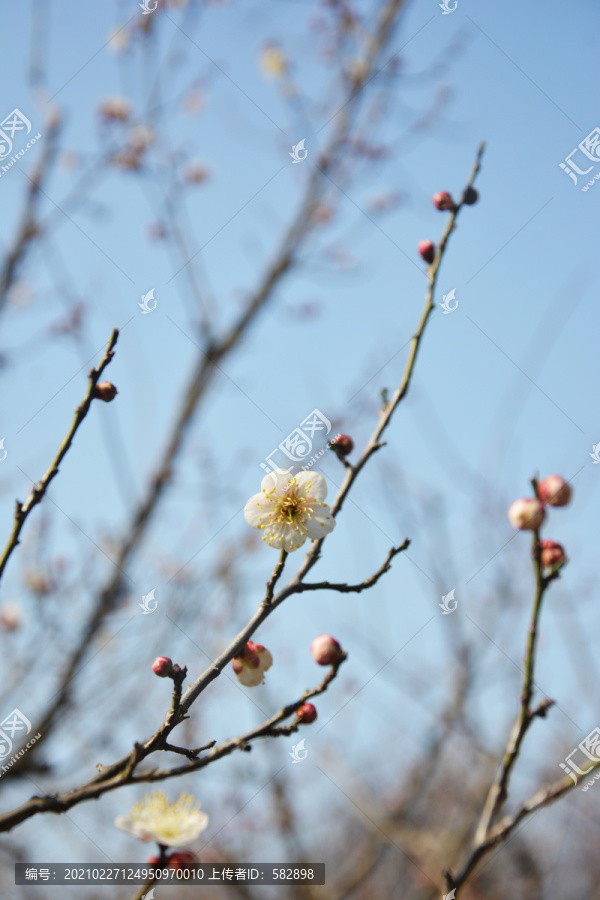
(443, 200)
(306, 713)
(105, 391)
(552, 554)
(326, 650)
(526, 514)
(470, 196)
(162, 666)
(427, 251)
(343, 444)
(554, 491)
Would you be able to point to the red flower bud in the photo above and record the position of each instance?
(470, 196)
(162, 666)
(105, 391)
(343, 444)
(326, 650)
(443, 200)
(427, 251)
(181, 860)
(306, 713)
(552, 554)
(526, 514)
(554, 491)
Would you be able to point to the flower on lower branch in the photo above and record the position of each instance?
(169, 824)
(251, 663)
(290, 509)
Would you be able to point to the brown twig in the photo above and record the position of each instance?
(487, 835)
(353, 588)
(123, 772)
(30, 228)
(38, 491)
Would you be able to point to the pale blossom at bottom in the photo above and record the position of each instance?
(290, 509)
(170, 824)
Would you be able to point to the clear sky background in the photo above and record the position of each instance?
(505, 386)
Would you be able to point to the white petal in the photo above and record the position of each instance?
(257, 511)
(189, 834)
(312, 484)
(250, 677)
(320, 524)
(266, 660)
(277, 479)
(284, 537)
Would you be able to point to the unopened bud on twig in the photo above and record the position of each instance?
(306, 713)
(343, 444)
(326, 650)
(470, 196)
(163, 667)
(105, 391)
(527, 514)
(443, 200)
(427, 251)
(552, 555)
(554, 491)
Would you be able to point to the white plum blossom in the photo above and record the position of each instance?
(169, 824)
(290, 509)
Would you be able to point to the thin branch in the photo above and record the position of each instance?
(123, 772)
(486, 835)
(38, 491)
(30, 229)
(353, 588)
(275, 576)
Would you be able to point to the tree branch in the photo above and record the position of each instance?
(36, 494)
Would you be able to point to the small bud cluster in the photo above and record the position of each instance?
(528, 514)
(443, 201)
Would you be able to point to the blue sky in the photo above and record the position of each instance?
(505, 387)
